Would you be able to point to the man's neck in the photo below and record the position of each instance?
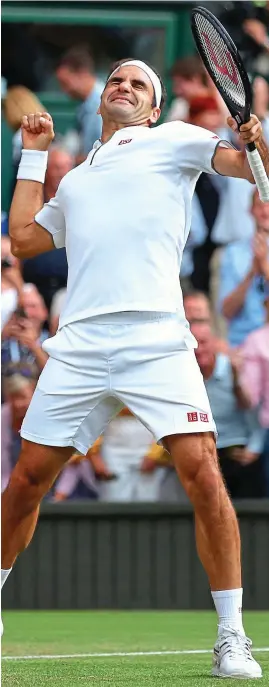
(110, 128)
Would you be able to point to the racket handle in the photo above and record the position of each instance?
(259, 173)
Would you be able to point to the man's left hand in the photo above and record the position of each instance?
(249, 132)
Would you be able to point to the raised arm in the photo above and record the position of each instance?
(234, 163)
(28, 238)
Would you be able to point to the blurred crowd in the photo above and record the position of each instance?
(225, 283)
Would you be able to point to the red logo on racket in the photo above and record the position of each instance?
(222, 68)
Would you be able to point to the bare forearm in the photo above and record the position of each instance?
(40, 356)
(27, 201)
(243, 400)
(235, 301)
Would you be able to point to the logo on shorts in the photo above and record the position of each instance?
(192, 417)
(204, 417)
(125, 140)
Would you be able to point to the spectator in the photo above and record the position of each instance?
(189, 79)
(49, 270)
(244, 270)
(23, 335)
(55, 310)
(240, 437)
(76, 76)
(197, 309)
(255, 377)
(128, 451)
(210, 193)
(18, 388)
(11, 281)
(77, 480)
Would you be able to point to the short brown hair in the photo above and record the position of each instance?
(77, 59)
(188, 67)
(118, 64)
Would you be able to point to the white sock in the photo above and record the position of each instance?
(4, 575)
(228, 604)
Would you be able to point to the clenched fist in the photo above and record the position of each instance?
(37, 131)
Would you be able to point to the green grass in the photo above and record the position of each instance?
(52, 633)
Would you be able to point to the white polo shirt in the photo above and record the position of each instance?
(124, 216)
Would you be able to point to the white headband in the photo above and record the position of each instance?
(151, 74)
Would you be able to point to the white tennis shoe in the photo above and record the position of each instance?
(232, 656)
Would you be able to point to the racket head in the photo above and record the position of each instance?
(223, 63)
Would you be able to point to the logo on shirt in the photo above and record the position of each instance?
(204, 417)
(125, 140)
(192, 417)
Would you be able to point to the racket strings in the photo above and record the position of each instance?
(221, 61)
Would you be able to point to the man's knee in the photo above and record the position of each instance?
(25, 487)
(196, 461)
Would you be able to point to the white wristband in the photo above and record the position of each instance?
(33, 165)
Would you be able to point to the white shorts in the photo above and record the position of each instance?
(144, 361)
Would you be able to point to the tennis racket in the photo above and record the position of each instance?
(224, 64)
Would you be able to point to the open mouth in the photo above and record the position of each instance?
(121, 99)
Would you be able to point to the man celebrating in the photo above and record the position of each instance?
(124, 217)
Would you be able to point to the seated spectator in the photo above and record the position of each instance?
(11, 281)
(77, 78)
(189, 79)
(76, 480)
(24, 333)
(244, 271)
(134, 463)
(18, 388)
(254, 377)
(49, 270)
(197, 309)
(240, 436)
(55, 310)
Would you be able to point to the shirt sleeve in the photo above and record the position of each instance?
(251, 375)
(197, 148)
(51, 217)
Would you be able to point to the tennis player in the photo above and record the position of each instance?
(124, 216)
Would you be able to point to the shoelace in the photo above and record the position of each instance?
(235, 644)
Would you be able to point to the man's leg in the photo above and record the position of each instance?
(32, 477)
(218, 545)
(217, 533)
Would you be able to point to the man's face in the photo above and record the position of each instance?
(128, 97)
(204, 337)
(69, 81)
(187, 88)
(196, 308)
(34, 308)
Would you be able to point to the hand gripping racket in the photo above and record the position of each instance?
(224, 64)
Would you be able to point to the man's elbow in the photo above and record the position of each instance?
(20, 249)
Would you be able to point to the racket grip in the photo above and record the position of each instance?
(259, 173)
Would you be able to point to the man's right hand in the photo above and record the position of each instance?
(37, 131)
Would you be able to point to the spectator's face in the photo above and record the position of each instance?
(35, 308)
(197, 308)
(69, 81)
(128, 97)
(187, 88)
(204, 337)
(209, 119)
(260, 212)
(59, 164)
(20, 400)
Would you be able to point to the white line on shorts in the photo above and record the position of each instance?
(117, 654)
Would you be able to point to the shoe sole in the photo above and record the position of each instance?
(215, 672)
